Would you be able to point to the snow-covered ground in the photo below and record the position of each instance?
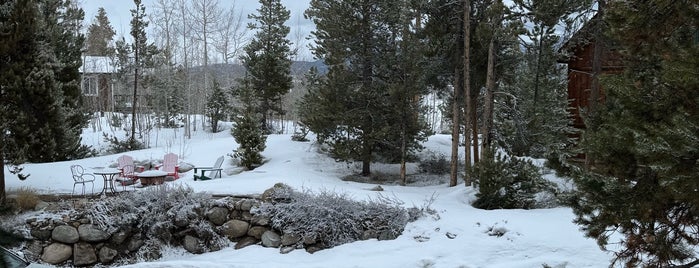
(532, 238)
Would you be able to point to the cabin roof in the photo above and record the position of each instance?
(97, 65)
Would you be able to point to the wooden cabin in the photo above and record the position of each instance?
(98, 76)
(579, 56)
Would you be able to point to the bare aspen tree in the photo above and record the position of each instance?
(231, 34)
(205, 16)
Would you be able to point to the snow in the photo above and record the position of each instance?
(458, 236)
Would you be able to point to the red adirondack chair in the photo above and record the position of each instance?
(170, 165)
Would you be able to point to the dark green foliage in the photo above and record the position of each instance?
(365, 106)
(643, 149)
(119, 146)
(41, 90)
(248, 130)
(99, 35)
(217, 106)
(506, 182)
(434, 163)
(267, 58)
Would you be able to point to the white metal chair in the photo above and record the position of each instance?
(80, 177)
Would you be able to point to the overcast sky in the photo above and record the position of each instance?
(120, 16)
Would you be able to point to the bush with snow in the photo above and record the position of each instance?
(162, 214)
(328, 219)
(506, 182)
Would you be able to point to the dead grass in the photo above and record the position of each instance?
(25, 198)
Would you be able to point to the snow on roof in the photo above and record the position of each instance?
(97, 65)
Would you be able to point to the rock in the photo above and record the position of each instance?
(271, 239)
(235, 215)
(33, 250)
(217, 215)
(387, 235)
(278, 193)
(246, 216)
(193, 245)
(257, 231)
(313, 249)
(247, 241)
(90, 233)
(248, 204)
(260, 220)
(107, 255)
(369, 234)
(285, 250)
(57, 253)
(290, 239)
(65, 234)
(83, 254)
(41, 233)
(377, 188)
(134, 244)
(235, 228)
(118, 238)
(309, 240)
(41, 205)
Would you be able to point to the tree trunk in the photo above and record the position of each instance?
(135, 96)
(468, 103)
(403, 157)
(366, 160)
(455, 132)
(596, 71)
(2, 178)
(490, 88)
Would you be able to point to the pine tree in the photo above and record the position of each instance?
(361, 90)
(248, 131)
(217, 106)
(41, 116)
(99, 36)
(646, 161)
(267, 58)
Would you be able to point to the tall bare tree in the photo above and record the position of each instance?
(231, 34)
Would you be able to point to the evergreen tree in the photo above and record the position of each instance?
(533, 119)
(217, 106)
(99, 36)
(248, 130)
(360, 41)
(267, 58)
(41, 116)
(646, 161)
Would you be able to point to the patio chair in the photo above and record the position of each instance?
(80, 177)
(215, 170)
(170, 165)
(128, 175)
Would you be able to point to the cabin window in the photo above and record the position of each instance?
(89, 86)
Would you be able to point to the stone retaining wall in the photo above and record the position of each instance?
(74, 240)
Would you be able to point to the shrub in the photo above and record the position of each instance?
(118, 146)
(507, 182)
(27, 198)
(332, 219)
(160, 213)
(435, 163)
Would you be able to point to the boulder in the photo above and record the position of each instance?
(119, 237)
(257, 231)
(247, 241)
(90, 233)
(41, 233)
(83, 254)
(217, 215)
(289, 239)
(107, 254)
(235, 229)
(193, 245)
(271, 239)
(135, 243)
(56, 253)
(65, 234)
